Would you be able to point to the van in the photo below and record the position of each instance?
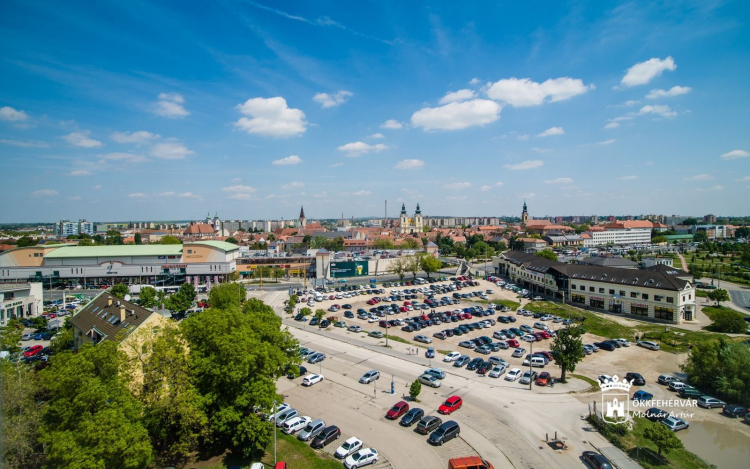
(538, 362)
(690, 392)
(469, 462)
(444, 433)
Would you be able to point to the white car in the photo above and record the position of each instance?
(279, 409)
(497, 371)
(538, 298)
(312, 379)
(295, 424)
(372, 319)
(603, 379)
(361, 458)
(513, 374)
(648, 344)
(452, 357)
(623, 342)
(351, 445)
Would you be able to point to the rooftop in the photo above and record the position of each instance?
(107, 319)
(117, 250)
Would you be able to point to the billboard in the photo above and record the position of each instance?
(349, 269)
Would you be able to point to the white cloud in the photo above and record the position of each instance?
(735, 154)
(121, 156)
(559, 181)
(359, 148)
(140, 137)
(660, 110)
(331, 100)
(321, 195)
(271, 117)
(171, 105)
(289, 160)
(674, 91)
(391, 124)
(746, 178)
(336, 165)
(75, 197)
(80, 172)
(528, 164)
(166, 194)
(485, 188)
(700, 177)
(138, 195)
(45, 193)
(377, 135)
(457, 116)
(170, 151)
(711, 189)
(240, 197)
(541, 150)
(606, 142)
(474, 81)
(361, 193)
(523, 137)
(409, 164)
(519, 92)
(24, 144)
(456, 198)
(81, 139)
(97, 187)
(458, 96)
(278, 196)
(643, 72)
(552, 131)
(612, 125)
(7, 113)
(190, 195)
(458, 185)
(293, 185)
(240, 188)
(627, 178)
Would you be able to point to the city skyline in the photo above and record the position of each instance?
(252, 110)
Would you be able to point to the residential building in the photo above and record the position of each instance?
(66, 228)
(711, 219)
(622, 233)
(20, 300)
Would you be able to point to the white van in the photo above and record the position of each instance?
(538, 362)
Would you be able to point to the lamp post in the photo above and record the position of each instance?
(274, 433)
(531, 354)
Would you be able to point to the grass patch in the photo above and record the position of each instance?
(396, 338)
(593, 384)
(513, 305)
(680, 458)
(701, 293)
(444, 352)
(299, 455)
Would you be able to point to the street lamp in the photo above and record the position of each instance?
(531, 354)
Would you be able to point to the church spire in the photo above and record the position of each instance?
(403, 209)
(418, 210)
(302, 212)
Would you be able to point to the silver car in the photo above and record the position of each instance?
(430, 380)
(675, 424)
(288, 414)
(311, 430)
(497, 371)
(369, 377)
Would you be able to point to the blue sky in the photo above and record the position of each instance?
(139, 110)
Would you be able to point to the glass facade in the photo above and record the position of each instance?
(638, 310)
(661, 312)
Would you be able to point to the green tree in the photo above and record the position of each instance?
(233, 276)
(227, 295)
(398, 267)
(415, 389)
(183, 299)
(168, 239)
(718, 296)
(413, 265)
(119, 290)
(25, 241)
(547, 254)
(659, 239)
(720, 367)
(727, 320)
(320, 314)
(383, 243)
(113, 238)
(292, 303)
(137, 238)
(690, 221)
(148, 297)
(232, 240)
(567, 349)
(10, 335)
(305, 311)
(278, 272)
(20, 401)
(410, 243)
(91, 419)
(63, 340)
(236, 356)
(426, 229)
(664, 438)
(86, 242)
(430, 264)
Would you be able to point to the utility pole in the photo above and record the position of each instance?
(531, 355)
(274, 433)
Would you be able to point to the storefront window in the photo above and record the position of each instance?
(638, 310)
(596, 303)
(578, 299)
(661, 312)
(615, 307)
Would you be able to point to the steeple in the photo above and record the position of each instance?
(302, 218)
(302, 212)
(403, 209)
(524, 214)
(418, 210)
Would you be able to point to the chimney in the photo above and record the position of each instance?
(122, 313)
(109, 301)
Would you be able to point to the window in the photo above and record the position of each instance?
(611, 291)
(638, 310)
(591, 289)
(661, 312)
(670, 299)
(578, 299)
(644, 296)
(622, 292)
(658, 297)
(573, 287)
(601, 290)
(633, 294)
(190, 251)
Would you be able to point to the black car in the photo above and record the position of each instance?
(444, 433)
(656, 415)
(324, 323)
(408, 328)
(349, 315)
(299, 317)
(734, 410)
(411, 417)
(291, 374)
(484, 367)
(448, 332)
(474, 364)
(327, 435)
(605, 346)
(428, 424)
(635, 378)
(346, 306)
(596, 460)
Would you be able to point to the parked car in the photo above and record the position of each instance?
(430, 380)
(734, 410)
(430, 353)
(528, 377)
(361, 458)
(543, 379)
(428, 424)
(311, 430)
(423, 338)
(497, 371)
(452, 356)
(350, 446)
(635, 379)
(291, 374)
(312, 379)
(376, 334)
(642, 395)
(675, 423)
(666, 379)
(596, 460)
(462, 361)
(450, 405)
(288, 414)
(444, 433)
(398, 409)
(437, 372)
(655, 414)
(648, 344)
(411, 417)
(518, 353)
(326, 436)
(317, 358)
(295, 424)
(354, 329)
(710, 402)
(513, 374)
(369, 377)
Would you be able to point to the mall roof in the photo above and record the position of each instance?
(228, 247)
(116, 250)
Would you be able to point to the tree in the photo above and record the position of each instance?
(20, 401)
(410, 243)
(305, 311)
(718, 296)
(232, 240)
(227, 295)
(63, 340)
(383, 243)
(306, 240)
(547, 254)
(567, 349)
(292, 303)
(430, 264)
(91, 419)
(720, 367)
(137, 238)
(413, 265)
(659, 239)
(278, 272)
(664, 438)
(168, 239)
(690, 221)
(119, 290)
(183, 299)
(742, 232)
(700, 237)
(233, 276)
(87, 242)
(271, 237)
(236, 356)
(320, 314)
(727, 320)
(148, 297)
(25, 241)
(415, 389)
(426, 229)
(398, 267)
(10, 335)
(113, 238)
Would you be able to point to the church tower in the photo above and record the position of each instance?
(418, 220)
(404, 219)
(302, 219)
(524, 214)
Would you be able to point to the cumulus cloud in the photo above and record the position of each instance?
(331, 100)
(612, 125)
(627, 178)
(97, 187)
(643, 72)
(271, 117)
(710, 189)
(10, 114)
(391, 124)
(520, 92)
(409, 164)
(474, 81)
(81, 139)
(528, 164)
(335, 165)
(673, 91)
(289, 160)
(190, 195)
(170, 105)
(166, 194)
(541, 150)
(138, 195)
(458, 96)
(45, 193)
(80, 172)
(659, 110)
(523, 137)
(457, 116)
(240, 189)
(293, 185)
(552, 131)
(559, 181)
(603, 143)
(122, 156)
(458, 185)
(24, 144)
(700, 177)
(140, 137)
(359, 148)
(489, 187)
(735, 154)
(361, 193)
(377, 135)
(240, 197)
(170, 151)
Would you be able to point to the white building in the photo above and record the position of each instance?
(622, 233)
(20, 300)
(69, 228)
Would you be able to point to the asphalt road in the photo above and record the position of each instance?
(739, 294)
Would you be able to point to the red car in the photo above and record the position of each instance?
(33, 351)
(513, 343)
(397, 410)
(450, 405)
(281, 465)
(371, 302)
(547, 355)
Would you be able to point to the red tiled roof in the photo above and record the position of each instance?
(199, 228)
